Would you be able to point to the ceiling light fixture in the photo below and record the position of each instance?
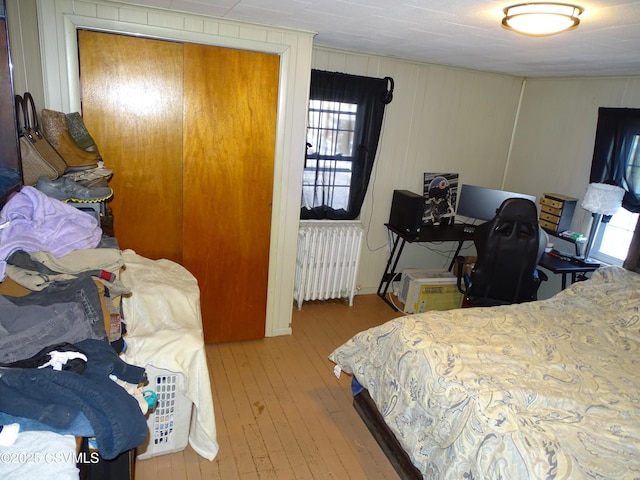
(541, 19)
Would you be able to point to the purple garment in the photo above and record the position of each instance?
(33, 222)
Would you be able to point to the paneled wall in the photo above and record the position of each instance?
(25, 49)
(525, 135)
(554, 137)
(555, 132)
(442, 119)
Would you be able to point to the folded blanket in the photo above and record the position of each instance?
(164, 329)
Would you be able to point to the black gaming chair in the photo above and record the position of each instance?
(508, 250)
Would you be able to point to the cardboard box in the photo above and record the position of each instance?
(437, 296)
(467, 266)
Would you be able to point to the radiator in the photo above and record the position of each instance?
(327, 260)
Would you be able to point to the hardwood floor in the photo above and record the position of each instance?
(280, 411)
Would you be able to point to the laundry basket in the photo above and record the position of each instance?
(170, 420)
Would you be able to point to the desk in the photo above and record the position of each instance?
(564, 267)
(449, 233)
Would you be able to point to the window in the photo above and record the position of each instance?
(344, 124)
(330, 151)
(617, 160)
(612, 241)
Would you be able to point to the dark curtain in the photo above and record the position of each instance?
(611, 153)
(615, 134)
(371, 95)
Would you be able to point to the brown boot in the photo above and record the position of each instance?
(54, 128)
(79, 132)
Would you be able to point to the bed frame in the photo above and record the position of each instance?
(369, 413)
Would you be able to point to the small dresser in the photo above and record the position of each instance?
(556, 212)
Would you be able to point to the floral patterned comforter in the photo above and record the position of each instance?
(542, 390)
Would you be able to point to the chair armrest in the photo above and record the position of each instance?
(542, 276)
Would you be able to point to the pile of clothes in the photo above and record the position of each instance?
(61, 329)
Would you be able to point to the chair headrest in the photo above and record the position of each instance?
(518, 209)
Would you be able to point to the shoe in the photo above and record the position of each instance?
(92, 177)
(66, 190)
(79, 132)
(54, 128)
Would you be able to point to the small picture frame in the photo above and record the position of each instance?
(440, 195)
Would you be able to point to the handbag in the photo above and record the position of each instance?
(39, 158)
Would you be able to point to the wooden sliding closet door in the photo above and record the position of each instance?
(132, 105)
(189, 131)
(229, 146)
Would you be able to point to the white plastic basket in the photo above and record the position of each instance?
(170, 420)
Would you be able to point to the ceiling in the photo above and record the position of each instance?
(461, 33)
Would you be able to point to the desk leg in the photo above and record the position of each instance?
(455, 255)
(390, 270)
(564, 281)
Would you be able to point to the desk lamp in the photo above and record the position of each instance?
(600, 199)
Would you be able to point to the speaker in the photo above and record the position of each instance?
(407, 210)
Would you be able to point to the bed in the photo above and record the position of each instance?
(542, 390)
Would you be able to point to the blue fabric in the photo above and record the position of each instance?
(79, 427)
(104, 358)
(56, 398)
(356, 388)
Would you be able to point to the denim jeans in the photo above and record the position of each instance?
(65, 311)
(25, 330)
(56, 398)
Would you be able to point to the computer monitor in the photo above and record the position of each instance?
(482, 203)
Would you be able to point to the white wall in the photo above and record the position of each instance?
(554, 137)
(531, 136)
(442, 119)
(555, 132)
(25, 48)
